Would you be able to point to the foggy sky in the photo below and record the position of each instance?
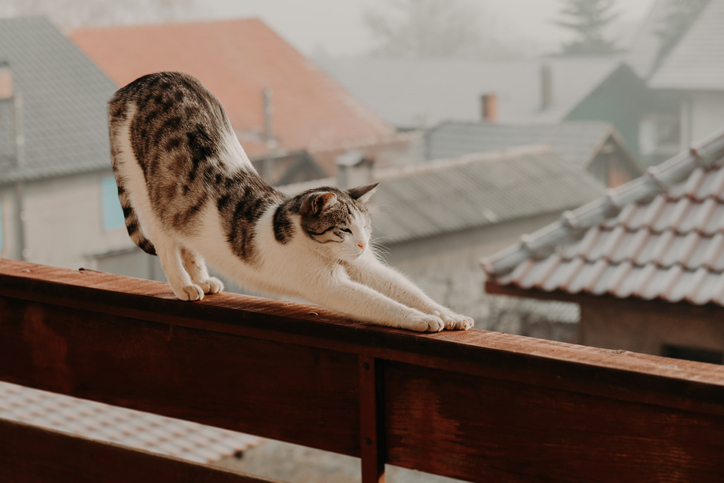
(335, 27)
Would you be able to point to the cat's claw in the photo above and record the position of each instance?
(455, 321)
(211, 285)
(189, 293)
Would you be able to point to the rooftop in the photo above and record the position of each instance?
(472, 191)
(237, 60)
(578, 140)
(660, 236)
(697, 61)
(399, 90)
(64, 96)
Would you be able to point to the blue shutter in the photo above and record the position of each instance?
(112, 211)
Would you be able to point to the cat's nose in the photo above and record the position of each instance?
(361, 245)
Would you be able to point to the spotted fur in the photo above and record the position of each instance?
(190, 194)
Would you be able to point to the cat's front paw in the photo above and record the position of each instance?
(425, 323)
(211, 285)
(189, 293)
(454, 321)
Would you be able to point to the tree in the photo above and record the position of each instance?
(675, 22)
(426, 28)
(81, 13)
(588, 19)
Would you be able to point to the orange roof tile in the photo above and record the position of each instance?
(237, 60)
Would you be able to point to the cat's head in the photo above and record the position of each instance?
(337, 222)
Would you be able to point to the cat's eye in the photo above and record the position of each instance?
(346, 230)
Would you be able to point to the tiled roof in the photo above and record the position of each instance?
(471, 191)
(659, 236)
(422, 93)
(237, 60)
(579, 140)
(182, 439)
(697, 61)
(64, 96)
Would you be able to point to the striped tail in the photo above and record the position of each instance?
(132, 224)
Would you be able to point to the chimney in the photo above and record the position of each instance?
(6, 81)
(268, 119)
(353, 169)
(546, 86)
(489, 107)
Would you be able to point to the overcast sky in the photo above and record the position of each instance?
(335, 27)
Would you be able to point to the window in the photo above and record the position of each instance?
(693, 354)
(112, 212)
(659, 134)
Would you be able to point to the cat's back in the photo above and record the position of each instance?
(167, 112)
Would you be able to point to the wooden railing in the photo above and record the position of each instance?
(475, 405)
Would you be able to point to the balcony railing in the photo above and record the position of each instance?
(476, 405)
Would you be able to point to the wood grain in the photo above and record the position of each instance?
(480, 429)
(30, 454)
(475, 405)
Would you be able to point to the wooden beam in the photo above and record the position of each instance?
(468, 404)
(29, 454)
(372, 430)
(480, 429)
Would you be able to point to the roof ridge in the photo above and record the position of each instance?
(572, 224)
(465, 159)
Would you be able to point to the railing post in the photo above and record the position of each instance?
(371, 403)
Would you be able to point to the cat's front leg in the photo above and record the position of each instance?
(362, 302)
(196, 268)
(368, 270)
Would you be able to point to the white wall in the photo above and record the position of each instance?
(706, 114)
(447, 267)
(63, 222)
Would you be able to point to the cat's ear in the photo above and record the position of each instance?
(316, 203)
(362, 193)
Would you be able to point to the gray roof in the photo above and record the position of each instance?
(64, 98)
(579, 140)
(476, 190)
(471, 191)
(422, 93)
(697, 61)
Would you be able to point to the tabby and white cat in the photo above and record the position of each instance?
(189, 193)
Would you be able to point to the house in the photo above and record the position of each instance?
(59, 206)
(435, 220)
(276, 99)
(694, 70)
(662, 100)
(594, 146)
(645, 263)
(57, 190)
(420, 93)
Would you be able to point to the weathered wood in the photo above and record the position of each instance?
(371, 420)
(29, 454)
(480, 429)
(566, 366)
(472, 405)
(281, 391)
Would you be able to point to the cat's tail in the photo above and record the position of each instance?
(132, 224)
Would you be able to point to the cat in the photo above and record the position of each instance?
(190, 194)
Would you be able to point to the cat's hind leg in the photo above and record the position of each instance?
(196, 268)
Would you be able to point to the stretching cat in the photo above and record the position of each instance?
(189, 193)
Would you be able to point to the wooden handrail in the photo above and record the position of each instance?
(475, 405)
